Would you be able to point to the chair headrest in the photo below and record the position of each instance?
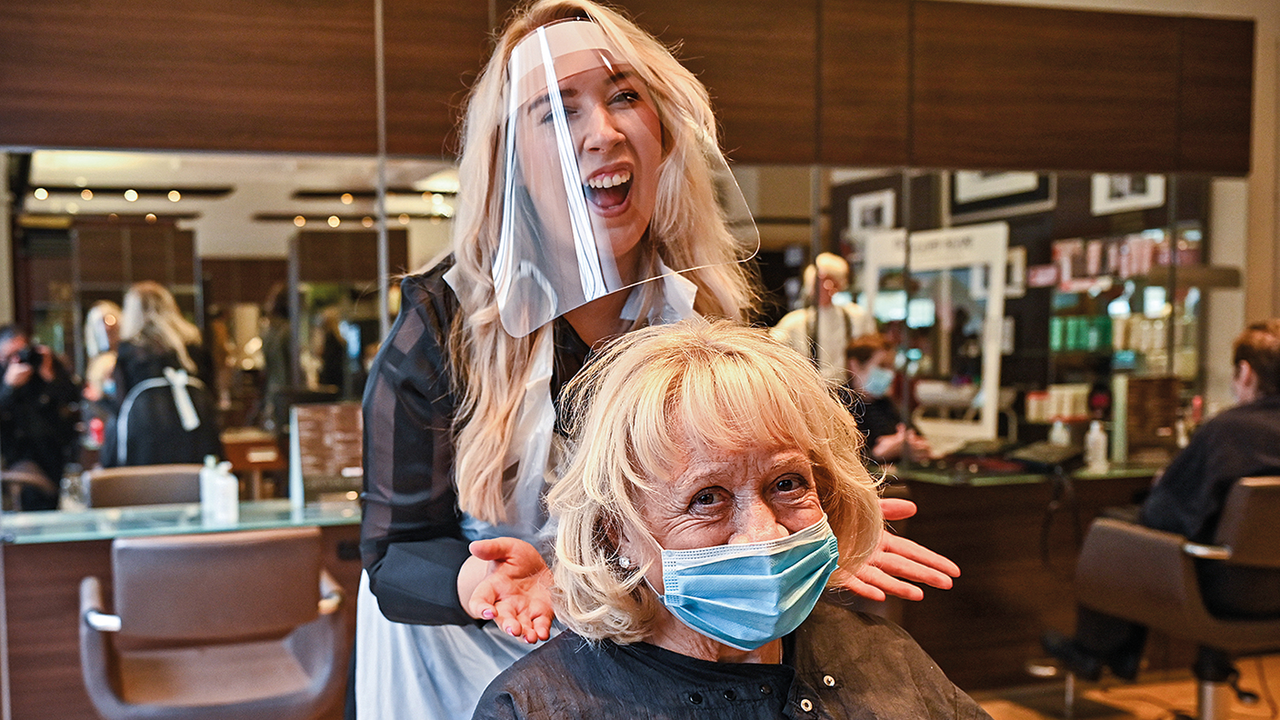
(217, 586)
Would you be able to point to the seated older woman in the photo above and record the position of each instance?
(713, 494)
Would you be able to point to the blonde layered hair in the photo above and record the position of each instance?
(150, 319)
(656, 395)
(688, 230)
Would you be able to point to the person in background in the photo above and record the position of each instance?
(821, 329)
(331, 349)
(169, 422)
(277, 369)
(869, 395)
(39, 412)
(101, 338)
(1187, 499)
(593, 203)
(693, 547)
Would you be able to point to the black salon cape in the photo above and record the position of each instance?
(838, 664)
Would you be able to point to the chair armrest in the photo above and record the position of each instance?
(1138, 574)
(331, 595)
(91, 607)
(97, 662)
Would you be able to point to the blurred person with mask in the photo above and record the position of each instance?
(39, 410)
(822, 329)
(869, 395)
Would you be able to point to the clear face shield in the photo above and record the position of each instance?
(581, 157)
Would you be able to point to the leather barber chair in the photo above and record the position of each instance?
(141, 485)
(243, 625)
(1221, 597)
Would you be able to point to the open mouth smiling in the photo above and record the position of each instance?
(609, 191)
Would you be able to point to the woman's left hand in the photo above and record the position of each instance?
(515, 591)
(898, 559)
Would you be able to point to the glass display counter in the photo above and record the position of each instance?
(25, 528)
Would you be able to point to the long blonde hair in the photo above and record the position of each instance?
(688, 230)
(647, 401)
(151, 319)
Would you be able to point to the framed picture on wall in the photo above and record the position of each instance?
(872, 211)
(978, 196)
(1121, 193)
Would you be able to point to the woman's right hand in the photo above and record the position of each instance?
(506, 580)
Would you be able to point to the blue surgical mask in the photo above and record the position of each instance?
(878, 381)
(747, 595)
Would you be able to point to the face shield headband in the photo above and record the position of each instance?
(581, 157)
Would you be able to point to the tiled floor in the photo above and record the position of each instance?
(1156, 696)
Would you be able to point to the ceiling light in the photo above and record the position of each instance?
(299, 221)
(81, 181)
(367, 221)
(151, 217)
(404, 218)
(86, 194)
(334, 221)
(174, 196)
(73, 208)
(347, 199)
(41, 194)
(131, 195)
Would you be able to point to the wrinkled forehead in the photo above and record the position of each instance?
(570, 46)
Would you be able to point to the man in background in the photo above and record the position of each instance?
(1187, 499)
(821, 330)
(39, 412)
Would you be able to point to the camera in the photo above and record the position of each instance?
(30, 355)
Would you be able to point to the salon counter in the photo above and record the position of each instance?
(45, 555)
(1015, 538)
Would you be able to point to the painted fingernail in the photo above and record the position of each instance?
(509, 630)
(487, 614)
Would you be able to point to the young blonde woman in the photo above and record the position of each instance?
(594, 201)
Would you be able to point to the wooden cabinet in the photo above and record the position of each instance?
(1034, 88)
(864, 67)
(922, 83)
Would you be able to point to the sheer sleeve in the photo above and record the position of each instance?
(411, 541)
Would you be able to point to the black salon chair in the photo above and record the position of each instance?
(244, 625)
(1222, 597)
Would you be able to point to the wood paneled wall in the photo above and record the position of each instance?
(848, 82)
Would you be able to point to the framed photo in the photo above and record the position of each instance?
(977, 196)
(872, 211)
(1121, 193)
(1015, 278)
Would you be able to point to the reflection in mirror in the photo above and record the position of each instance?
(216, 230)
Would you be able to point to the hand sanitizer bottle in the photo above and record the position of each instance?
(209, 490)
(1058, 434)
(1095, 448)
(228, 512)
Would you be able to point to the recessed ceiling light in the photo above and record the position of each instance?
(131, 195)
(86, 194)
(174, 196)
(41, 194)
(334, 221)
(299, 221)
